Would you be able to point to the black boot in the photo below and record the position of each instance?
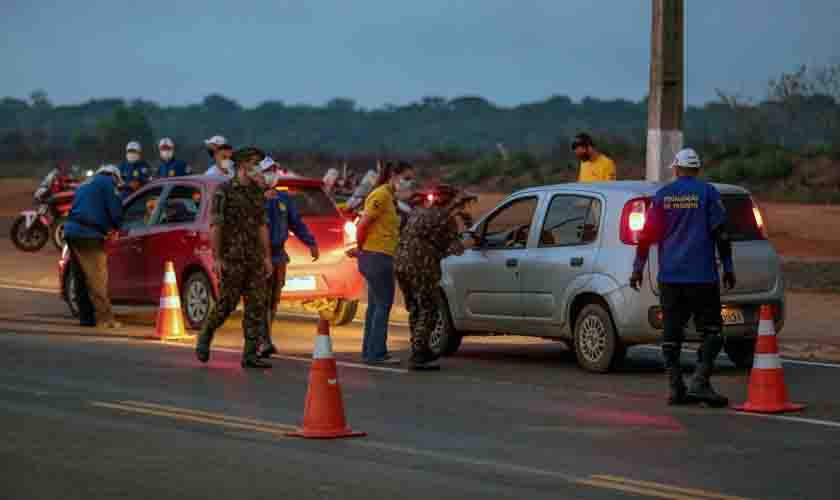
(250, 359)
(202, 346)
(423, 360)
(701, 389)
(677, 390)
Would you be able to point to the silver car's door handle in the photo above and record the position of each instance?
(576, 261)
(512, 262)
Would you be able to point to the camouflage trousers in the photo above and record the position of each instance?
(421, 301)
(248, 281)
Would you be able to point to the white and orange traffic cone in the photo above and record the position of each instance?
(323, 414)
(767, 391)
(170, 319)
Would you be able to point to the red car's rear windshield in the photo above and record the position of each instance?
(312, 201)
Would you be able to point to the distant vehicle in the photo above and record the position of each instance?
(555, 262)
(168, 219)
(32, 229)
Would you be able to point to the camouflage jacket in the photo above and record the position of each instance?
(240, 213)
(429, 236)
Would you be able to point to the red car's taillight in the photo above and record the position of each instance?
(633, 220)
(759, 220)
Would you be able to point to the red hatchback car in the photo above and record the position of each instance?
(168, 220)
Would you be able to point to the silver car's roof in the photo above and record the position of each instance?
(629, 188)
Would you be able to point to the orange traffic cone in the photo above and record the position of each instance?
(170, 319)
(767, 391)
(323, 415)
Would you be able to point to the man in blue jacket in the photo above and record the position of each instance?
(134, 170)
(169, 165)
(283, 217)
(686, 219)
(96, 211)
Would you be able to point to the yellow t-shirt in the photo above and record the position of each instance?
(602, 169)
(384, 231)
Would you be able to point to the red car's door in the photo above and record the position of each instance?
(126, 267)
(174, 237)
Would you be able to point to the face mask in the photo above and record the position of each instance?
(227, 164)
(167, 154)
(132, 157)
(405, 185)
(271, 179)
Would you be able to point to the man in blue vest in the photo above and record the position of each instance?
(134, 170)
(96, 211)
(283, 217)
(687, 219)
(169, 165)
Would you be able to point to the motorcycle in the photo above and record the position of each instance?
(32, 229)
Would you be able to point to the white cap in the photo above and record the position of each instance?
(687, 158)
(216, 140)
(111, 170)
(166, 141)
(267, 163)
(133, 146)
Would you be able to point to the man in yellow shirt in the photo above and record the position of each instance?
(594, 165)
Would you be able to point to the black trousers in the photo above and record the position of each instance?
(87, 313)
(682, 301)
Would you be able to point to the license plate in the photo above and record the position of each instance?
(732, 316)
(300, 284)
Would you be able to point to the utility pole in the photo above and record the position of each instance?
(667, 89)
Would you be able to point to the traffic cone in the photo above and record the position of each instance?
(767, 391)
(170, 319)
(323, 415)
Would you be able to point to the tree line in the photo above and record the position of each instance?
(801, 109)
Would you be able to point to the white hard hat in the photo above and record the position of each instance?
(111, 170)
(687, 158)
(216, 140)
(166, 142)
(133, 146)
(267, 163)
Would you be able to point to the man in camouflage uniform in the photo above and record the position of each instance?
(242, 255)
(430, 235)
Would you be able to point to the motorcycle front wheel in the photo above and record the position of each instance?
(29, 240)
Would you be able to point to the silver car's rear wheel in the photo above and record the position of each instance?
(444, 340)
(596, 345)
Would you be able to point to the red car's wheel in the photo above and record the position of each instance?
(197, 300)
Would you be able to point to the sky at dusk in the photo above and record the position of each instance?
(395, 52)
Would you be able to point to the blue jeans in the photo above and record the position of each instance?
(378, 270)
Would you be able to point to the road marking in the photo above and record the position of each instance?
(786, 361)
(801, 420)
(273, 430)
(207, 414)
(346, 364)
(632, 486)
(29, 289)
(655, 489)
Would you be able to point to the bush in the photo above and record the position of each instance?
(765, 166)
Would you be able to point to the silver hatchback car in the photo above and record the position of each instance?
(555, 262)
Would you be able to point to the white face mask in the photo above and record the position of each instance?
(167, 154)
(132, 157)
(271, 179)
(227, 164)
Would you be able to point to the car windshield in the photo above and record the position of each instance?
(740, 220)
(311, 201)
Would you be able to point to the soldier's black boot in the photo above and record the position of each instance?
(202, 346)
(250, 359)
(700, 388)
(677, 394)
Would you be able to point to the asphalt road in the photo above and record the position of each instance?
(86, 414)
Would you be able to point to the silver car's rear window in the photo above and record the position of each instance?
(740, 219)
